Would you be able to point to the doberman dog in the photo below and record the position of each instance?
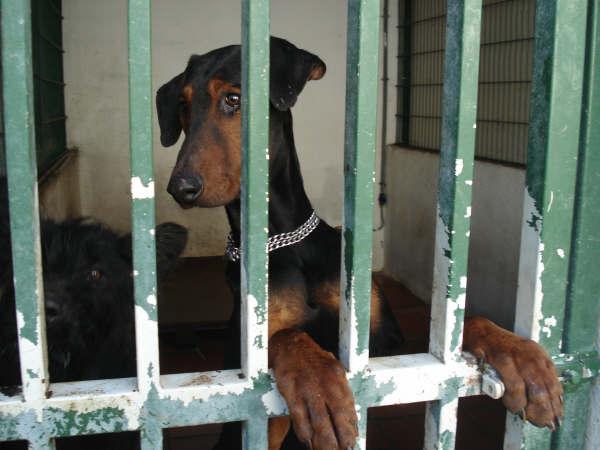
(204, 101)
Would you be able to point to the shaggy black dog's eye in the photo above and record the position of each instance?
(233, 100)
(94, 275)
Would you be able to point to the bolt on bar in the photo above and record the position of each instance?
(461, 67)
(143, 214)
(548, 206)
(24, 218)
(254, 202)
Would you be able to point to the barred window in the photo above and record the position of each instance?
(504, 77)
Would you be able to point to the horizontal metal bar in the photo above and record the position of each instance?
(481, 83)
(427, 52)
(507, 41)
(53, 120)
(55, 9)
(428, 19)
(50, 42)
(89, 407)
(49, 81)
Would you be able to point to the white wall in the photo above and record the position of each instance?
(495, 230)
(95, 65)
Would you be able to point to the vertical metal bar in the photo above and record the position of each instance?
(359, 174)
(583, 303)
(461, 67)
(361, 120)
(254, 202)
(143, 216)
(404, 70)
(550, 186)
(23, 195)
(440, 419)
(24, 216)
(255, 185)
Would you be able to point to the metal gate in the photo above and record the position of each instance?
(557, 300)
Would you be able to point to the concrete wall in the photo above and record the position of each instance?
(59, 191)
(95, 64)
(495, 230)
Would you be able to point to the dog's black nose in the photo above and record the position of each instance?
(185, 189)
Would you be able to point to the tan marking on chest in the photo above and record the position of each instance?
(327, 295)
(287, 309)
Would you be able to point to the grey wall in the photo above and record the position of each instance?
(495, 230)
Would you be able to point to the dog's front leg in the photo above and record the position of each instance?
(314, 385)
(530, 378)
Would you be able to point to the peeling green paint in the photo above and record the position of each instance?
(550, 195)
(254, 195)
(70, 423)
(456, 336)
(366, 393)
(21, 163)
(362, 64)
(261, 313)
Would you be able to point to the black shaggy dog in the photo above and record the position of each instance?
(88, 293)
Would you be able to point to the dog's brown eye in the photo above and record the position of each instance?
(95, 275)
(232, 100)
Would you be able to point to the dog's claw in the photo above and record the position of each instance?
(558, 421)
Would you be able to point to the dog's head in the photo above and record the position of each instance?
(88, 295)
(88, 291)
(205, 100)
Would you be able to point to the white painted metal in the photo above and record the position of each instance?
(414, 378)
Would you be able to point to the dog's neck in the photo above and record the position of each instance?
(289, 206)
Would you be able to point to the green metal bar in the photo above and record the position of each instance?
(254, 203)
(255, 184)
(455, 178)
(360, 139)
(461, 66)
(583, 305)
(23, 195)
(142, 213)
(550, 186)
(24, 216)
(583, 301)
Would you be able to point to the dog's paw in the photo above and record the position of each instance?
(314, 385)
(533, 389)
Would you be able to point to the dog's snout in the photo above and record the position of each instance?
(185, 189)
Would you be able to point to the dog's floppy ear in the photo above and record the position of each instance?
(171, 240)
(291, 68)
(167, 108)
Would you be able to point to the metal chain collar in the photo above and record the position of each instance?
(278, 240)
